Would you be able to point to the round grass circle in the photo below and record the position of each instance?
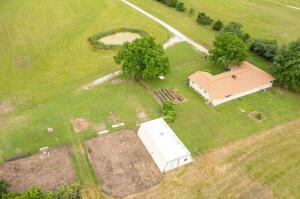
(114, 38)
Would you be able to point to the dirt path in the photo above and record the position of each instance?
(179, 36)
(101, 80)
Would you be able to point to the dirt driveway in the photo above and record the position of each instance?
(48, 173)
(122, 164)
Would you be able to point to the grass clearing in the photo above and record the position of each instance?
(261, 18)
(202, 127)
(45, 59)
(265, 165)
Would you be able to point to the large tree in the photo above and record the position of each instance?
(143, 59)
(228, 49)
(236, 28)
(287, 65)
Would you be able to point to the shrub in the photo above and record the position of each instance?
(265, 48)
(191, 11)
(204, 19)
(237, 29)
(3, 187)
(180, 7)
(259, 116)
(170, 3)
(218, 25)
(168, 111)
(287, 65)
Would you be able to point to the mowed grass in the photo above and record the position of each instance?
(263, 166)
(266, 19)
(45, 59)
(52, 37)
(202, 127)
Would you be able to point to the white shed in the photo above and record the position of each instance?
(167, 151)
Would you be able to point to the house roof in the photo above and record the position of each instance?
(164, 139)
(235, 81)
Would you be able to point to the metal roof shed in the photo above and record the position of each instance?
(167, 151)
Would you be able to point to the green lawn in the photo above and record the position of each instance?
(267, 19)
(48, 42)
(45, 59)
(202, 127)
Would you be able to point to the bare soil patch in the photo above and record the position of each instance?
(122, 164)
(23, 62)
(6, 107)
(120, 38)
(257, 116)
(99, 127)
(48, 173)
(117, 81)
(143, 117)
(80, 125)
(113, 118)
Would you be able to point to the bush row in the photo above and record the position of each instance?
(64, 192)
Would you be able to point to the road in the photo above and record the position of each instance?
(179, 36)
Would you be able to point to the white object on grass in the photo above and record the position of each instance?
(117, 125)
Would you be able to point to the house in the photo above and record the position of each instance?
(167, 151)
(233, 84)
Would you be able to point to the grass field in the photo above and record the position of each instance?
(261, 18)
(202, 127)
(262, 166)
(46, 58)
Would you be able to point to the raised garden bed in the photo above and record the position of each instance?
(169, 94)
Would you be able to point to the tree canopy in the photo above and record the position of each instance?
(228, 49)
(287, 65)
(143, 59)
(236, 28)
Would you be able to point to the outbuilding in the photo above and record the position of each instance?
(166, 149)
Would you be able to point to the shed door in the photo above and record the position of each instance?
(171, 165)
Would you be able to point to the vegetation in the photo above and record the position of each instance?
(168, 112)
(278, 105)
(228, 50)
(261, 19)
(203, 19)
(180, 7)
(3, 187)
(218, 25)
(65, 192)
(265, 165)
(143, 59)
(237, 29)
(98, 45)
(287, 65)
(191, 11)
(170, 3)
(265, 48)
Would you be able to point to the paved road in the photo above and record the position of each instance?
(178, 35)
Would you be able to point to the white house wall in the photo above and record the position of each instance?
(221, 101)
(200, 90)
(184, 160)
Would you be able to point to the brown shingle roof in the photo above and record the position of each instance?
(235, 81)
